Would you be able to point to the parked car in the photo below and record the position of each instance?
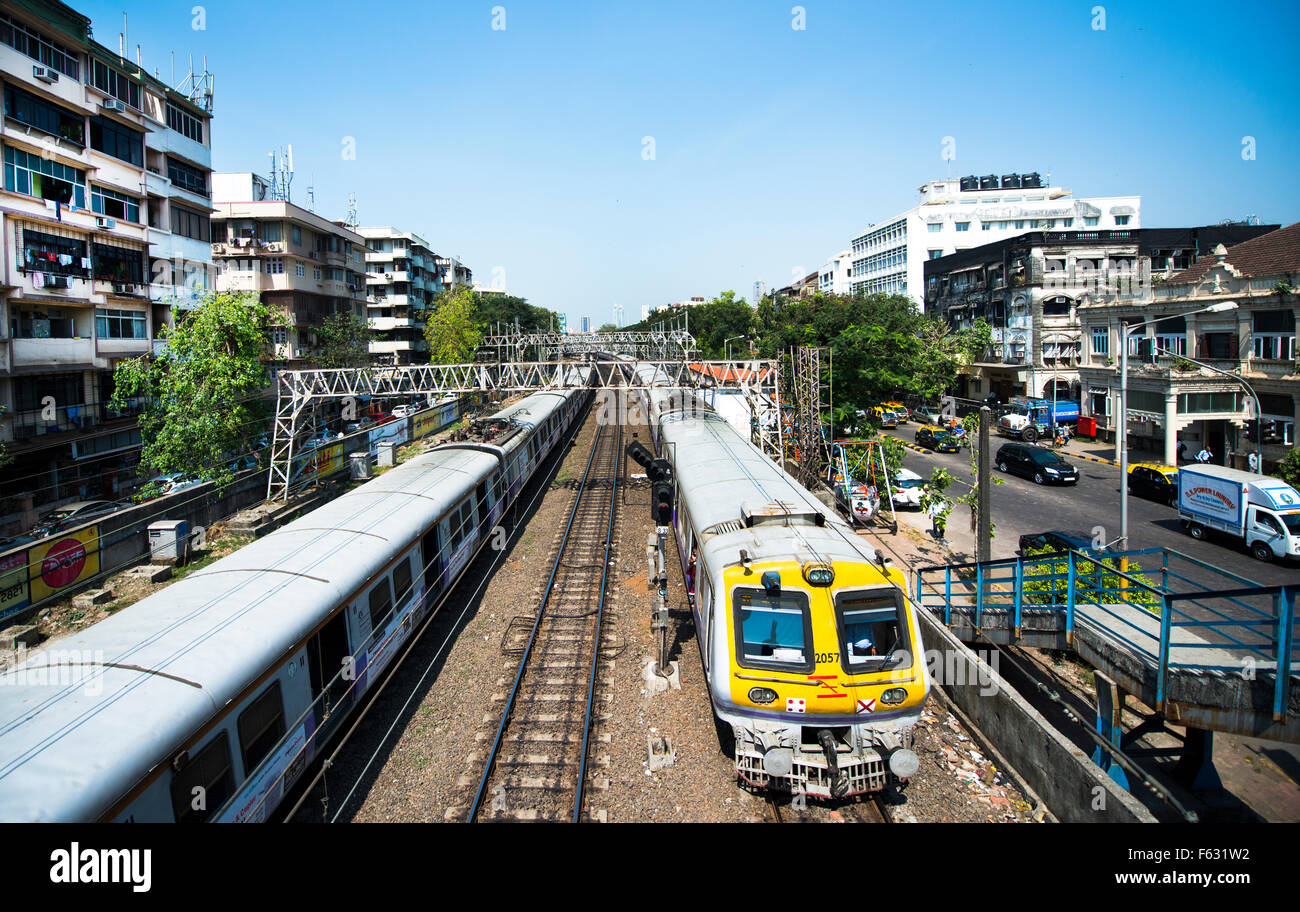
(900, 411)
(883, 417)
(907, 489)
(74, 514)
(16, 541)
(405, 411)
(1154, 482)
(1040, 464)
(937, 439)
(1062, 540)
(243, 463)
(927, 414)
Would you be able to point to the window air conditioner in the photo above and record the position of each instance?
(45, 74)
(102, 221)
(112, 104)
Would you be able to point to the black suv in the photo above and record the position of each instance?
(937, 440)
(1040, 464)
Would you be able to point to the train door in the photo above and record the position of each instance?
(432, 573)
(481, 508)
(326, 654)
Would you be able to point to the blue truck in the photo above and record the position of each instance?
(1030, 419)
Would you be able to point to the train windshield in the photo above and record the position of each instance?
(872, 630)
(772, 630)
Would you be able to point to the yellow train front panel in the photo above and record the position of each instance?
(825, 674)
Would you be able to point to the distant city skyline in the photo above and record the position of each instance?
(641, 155)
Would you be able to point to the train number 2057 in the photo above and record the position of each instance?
(823, 658)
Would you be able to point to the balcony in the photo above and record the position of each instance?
(52, 354)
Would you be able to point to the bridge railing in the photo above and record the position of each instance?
(1200, 623)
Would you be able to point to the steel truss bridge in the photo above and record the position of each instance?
(653, 345)
(300, 392)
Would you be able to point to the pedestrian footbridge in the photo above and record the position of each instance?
(1204, 647)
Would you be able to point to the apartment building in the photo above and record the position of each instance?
(304, 267)
(1194, 376)
(1030, 289)
(106, 191)
(835, 275)
(454, 272)
(403, 275)
(889, 257)
(805, 287)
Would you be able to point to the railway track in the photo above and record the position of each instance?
(536, 764)
(781, 808)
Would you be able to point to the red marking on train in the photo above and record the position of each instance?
(822, 683)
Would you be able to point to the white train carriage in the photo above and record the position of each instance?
(811, 648)
(206, 701)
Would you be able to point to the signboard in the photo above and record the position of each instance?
(13, 584)
(392, 432)
(319, 462)
(1210, 496)
(425, 423)
(65, 561)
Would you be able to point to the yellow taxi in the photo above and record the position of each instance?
(1154, 481)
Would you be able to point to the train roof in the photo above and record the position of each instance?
(734, 493)
(167, 663)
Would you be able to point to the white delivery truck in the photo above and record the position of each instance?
(1263, 511)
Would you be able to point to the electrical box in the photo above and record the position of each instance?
(386, 453)
(167, 541)
(359, 465)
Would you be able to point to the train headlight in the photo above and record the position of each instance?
(893, 695)
(762, 694)
(818, 574)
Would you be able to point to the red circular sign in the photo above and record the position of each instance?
(63, 563)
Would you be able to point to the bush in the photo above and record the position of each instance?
(1289, 468)
(1048, 583)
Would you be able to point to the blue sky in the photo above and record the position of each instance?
(521, 149)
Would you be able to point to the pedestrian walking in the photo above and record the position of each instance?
(1182, 451)
(1205, 455)
(1253, 461)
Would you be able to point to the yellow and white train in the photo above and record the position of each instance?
(811, 648)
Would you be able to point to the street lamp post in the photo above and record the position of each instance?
(726, 346)
(1122, 432)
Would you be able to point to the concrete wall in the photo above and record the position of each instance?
(1063, 776)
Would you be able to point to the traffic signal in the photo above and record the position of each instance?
(661, 502)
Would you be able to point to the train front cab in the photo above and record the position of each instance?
(825, 681)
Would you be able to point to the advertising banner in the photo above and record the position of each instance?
(1211, 497)
(392, 432)
(63, 561)
(13, 583)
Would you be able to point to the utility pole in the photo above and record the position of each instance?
(984, 533)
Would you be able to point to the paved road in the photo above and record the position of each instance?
(1020, 506)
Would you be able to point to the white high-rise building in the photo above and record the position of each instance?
(953, 215)
(835, 276)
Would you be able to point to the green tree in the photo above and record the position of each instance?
(607, 328)
(1289, 468)
(506, 311)
(934, 494)
(453, 331)
(343, 340)
(203, 391)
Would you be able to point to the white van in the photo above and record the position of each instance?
(1261, 510)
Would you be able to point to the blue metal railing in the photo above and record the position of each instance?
(1199, 607)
